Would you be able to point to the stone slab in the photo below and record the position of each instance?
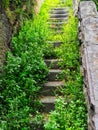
(91, 66)
(87, 8)
(96, 121)
(52, 88)
(90, 30)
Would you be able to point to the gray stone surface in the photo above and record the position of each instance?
(52, 88)
(54, 74)
(87, 8)
(75, 7)
(48, 103)
(59, 15)
(89, 39)
(90, 30)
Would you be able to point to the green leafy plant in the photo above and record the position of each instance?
(24, 74)
(70, 111)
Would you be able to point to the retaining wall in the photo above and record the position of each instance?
(88, 35)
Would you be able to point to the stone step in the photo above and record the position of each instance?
(56, 27)
(60, 8)
(57, 23)
(54, 74)
(52, 63)
(52, 88)
(59, 19)
(59, 15)
(48, 103)
(58, 11)
(55, 43)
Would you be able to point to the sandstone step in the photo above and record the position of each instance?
(48, 103)
(52, 88)
(58, 11)
(52, 63)
(59, 19)
(59, 15)
(56, 27)
(57, 23)
(54, 74)
(55, 43)
(60, 8)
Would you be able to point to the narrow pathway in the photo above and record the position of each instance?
(58, 16)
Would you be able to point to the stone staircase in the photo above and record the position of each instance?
(58, 16)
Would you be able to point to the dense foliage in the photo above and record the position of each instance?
(18, 11)
(22, 77)
(25, 72)
(70, 109)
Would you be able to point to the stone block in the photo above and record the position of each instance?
(96, 121)
(90, 30)
(89, 38)
(87, 8)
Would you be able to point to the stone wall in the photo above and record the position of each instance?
(88, 35)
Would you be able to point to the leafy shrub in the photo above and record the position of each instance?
(23, 76)
(67, 116)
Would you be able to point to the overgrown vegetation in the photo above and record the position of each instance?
(70, 110)
(24, 75)
(18, 11)
(25, 72)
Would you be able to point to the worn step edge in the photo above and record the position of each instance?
(58, 11)
(48, 103)
(55, 43)
(48, 99)
(60, 19)
(54, 84)
(59, 15)
(57, 23)
(55, 71)
(53, 74)
(56, 27)
(52, 88)
(59, 8)
(52, 63)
